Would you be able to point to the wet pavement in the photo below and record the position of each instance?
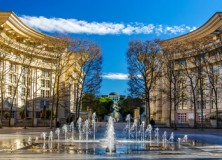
(14, 145)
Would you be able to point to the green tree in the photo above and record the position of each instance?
(128, 105)
(48, 114)
(89, 100)
(103, 107)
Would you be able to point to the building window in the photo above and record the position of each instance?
(14, 79)
(25, 70)
(28, 92)
(28, 81)
(182, 117)
(14, 90)
(10, 90)
(201, 57)
(42, 83)
(37, 114)
(212, 104)
(22, 102)
(199, 104)
(23, 92)
(47, 93)
(10, 78)
(12, 114)
(199, 117)
(47, 104)
(181, 61)
(12, 67)
(182, 96)
(42, 93)
(45, 73)
(41, 103)
(9, 100)
(215, 69)
(47, 83)
(23, 80)
(44, 104)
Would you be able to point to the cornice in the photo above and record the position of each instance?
(207, 29)
(4, 17)
(11, 20)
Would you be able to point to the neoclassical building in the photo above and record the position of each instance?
(30, 71)
(195, 61)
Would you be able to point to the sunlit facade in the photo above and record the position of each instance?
(30, 82)
(160, 103)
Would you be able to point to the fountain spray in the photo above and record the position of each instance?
(94, 125)
(110, 133)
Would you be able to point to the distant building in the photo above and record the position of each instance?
(115, 98)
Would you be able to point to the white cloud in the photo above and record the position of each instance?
(115, 76)
(101, 28)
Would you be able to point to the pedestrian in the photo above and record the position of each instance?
(152, 122)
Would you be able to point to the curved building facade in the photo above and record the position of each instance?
(29, 70)
(190, 86)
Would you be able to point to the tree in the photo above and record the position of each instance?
(128, 105)
(89, 100)
(145, 67)
(210, 60)
(88, 70)
(4, 71)
(193, 60)
(61, 63)
(29, 60)
(104, 106)
(101, 105)
(177, 73)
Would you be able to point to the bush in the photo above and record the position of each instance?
(212, 117)
(48, 114)
(6, 115)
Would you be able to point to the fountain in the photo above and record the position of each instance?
(134, 127)
(79, 122)
(149, 131)
(94, 125)
(50, 136)
(128, 118)
(171, 139)
(110, 136)
(43, 135)
(72, 129)
(65, 130)
(108, 141)
(185, 138)
(157, 135)
(57, 132)
(164, 138)
(86, 129)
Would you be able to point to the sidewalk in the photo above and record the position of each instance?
(9, 130)
(21, 130)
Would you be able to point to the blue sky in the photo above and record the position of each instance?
(113, 23)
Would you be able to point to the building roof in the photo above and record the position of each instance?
(4, 17)
(212, 27)
(113, 94)
(10, 21)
